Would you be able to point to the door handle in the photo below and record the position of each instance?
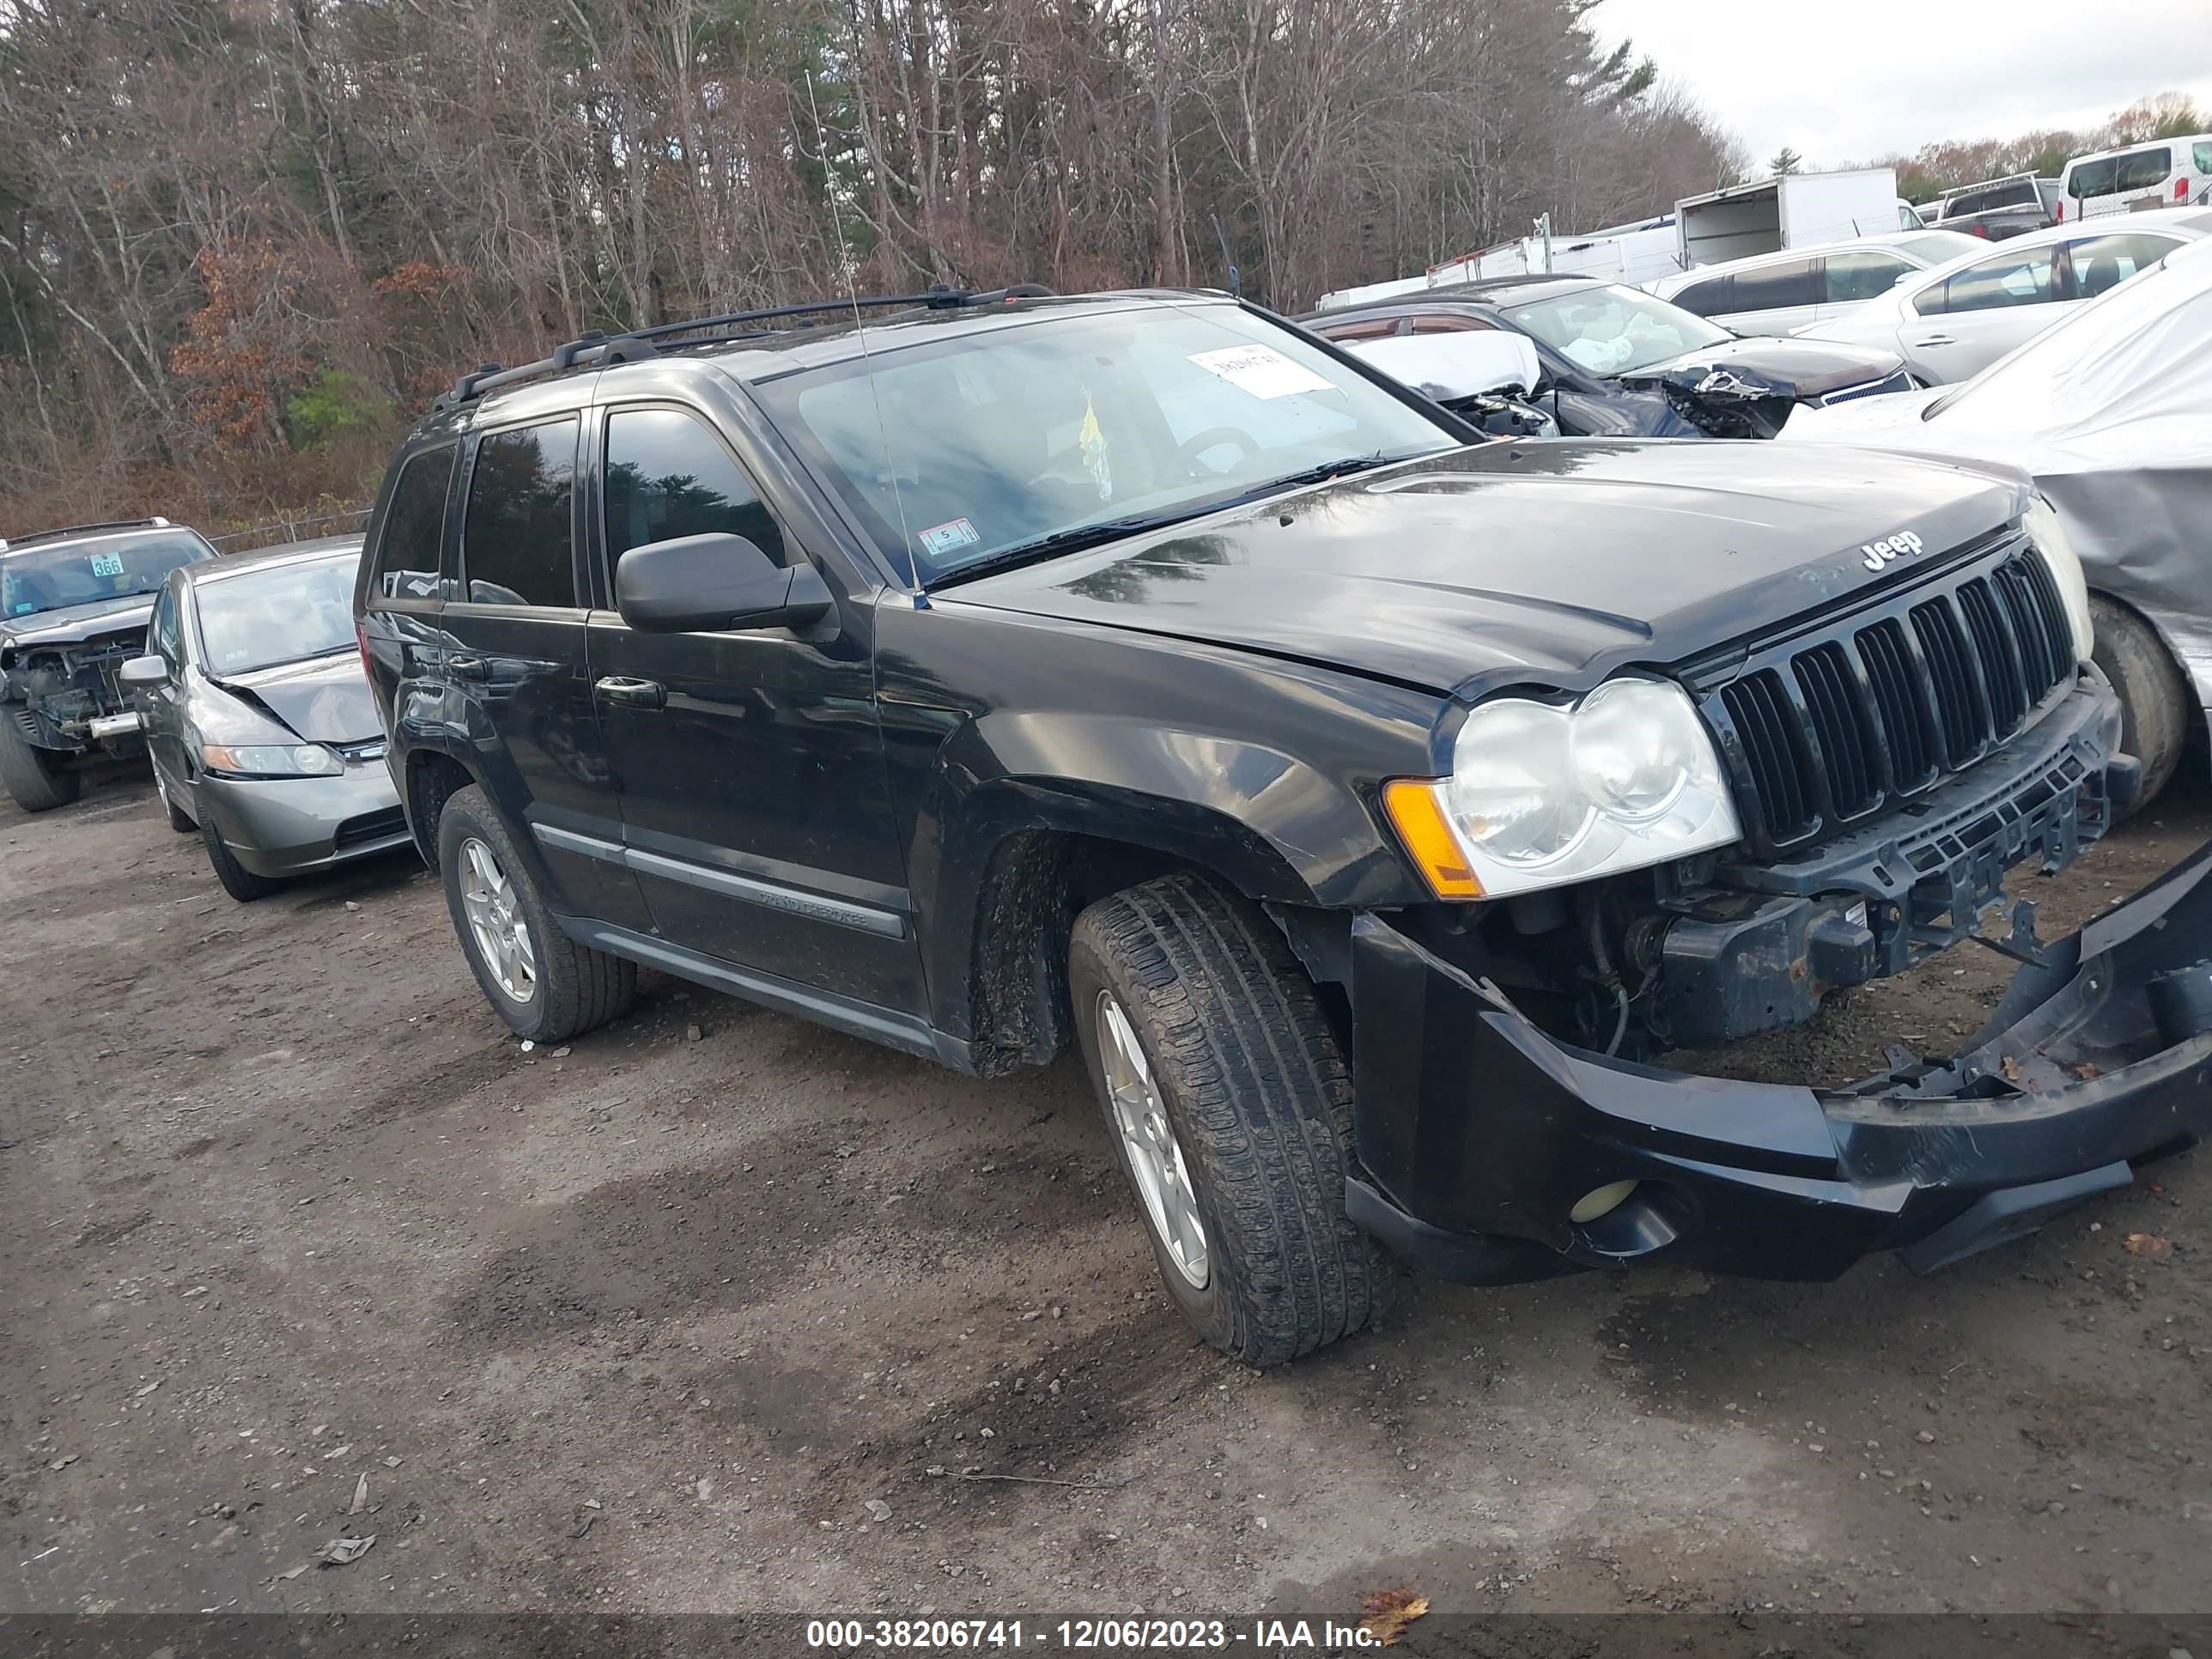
(633, 694)
(469, 668)
(1936, 339)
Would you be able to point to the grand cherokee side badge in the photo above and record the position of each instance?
(1880, 555)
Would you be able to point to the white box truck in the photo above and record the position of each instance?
(1796, 209)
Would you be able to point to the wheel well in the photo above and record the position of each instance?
(1037, 883)
(432, 781)
(2194, 716)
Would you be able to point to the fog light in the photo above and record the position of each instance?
(1602, 1200)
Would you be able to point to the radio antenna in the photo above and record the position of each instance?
(852, 293)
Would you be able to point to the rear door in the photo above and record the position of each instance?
(1956, 328)
(2097, 265)
(515, 666)
(756, 809)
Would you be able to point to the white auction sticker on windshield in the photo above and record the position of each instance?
(950, 538)
(1261, 370)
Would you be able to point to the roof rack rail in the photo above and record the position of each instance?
(9, 543)
(596, 348)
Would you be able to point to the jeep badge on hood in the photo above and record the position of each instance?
(1880, 555)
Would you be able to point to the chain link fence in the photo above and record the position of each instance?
(293, 527)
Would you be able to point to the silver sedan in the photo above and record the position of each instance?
(1954, 321)
(257, 715)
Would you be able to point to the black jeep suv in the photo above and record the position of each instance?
(74, 606)
(1367, 804)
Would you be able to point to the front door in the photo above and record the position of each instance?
(159, 718)
(757, 812)
(516, 667)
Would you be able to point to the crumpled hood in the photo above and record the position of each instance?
(1770, 367)
(75, 623)
(1554, 562)
(324, 699)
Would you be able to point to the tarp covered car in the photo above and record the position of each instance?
(2111, 413)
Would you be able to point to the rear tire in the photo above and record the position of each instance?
(1242, 1120)
(2155, 707)
(240, 882)
(545, 985)
(34, 780)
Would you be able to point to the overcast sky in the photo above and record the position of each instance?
(1842, 81)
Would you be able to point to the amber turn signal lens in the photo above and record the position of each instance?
(1416, 812)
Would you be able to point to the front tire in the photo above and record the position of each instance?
(180, 820)
(2155, 708)
(240, 882)
(545, 985)
(34, 781)
(1230, 1104)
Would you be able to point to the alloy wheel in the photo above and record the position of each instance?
(493, 908)
(1156, 1156)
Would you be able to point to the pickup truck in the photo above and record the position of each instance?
(1371, 806)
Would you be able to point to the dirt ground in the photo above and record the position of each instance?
(722, 1311)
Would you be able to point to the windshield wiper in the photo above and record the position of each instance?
(1073, 540)
(1343, 467)
(1078, 538)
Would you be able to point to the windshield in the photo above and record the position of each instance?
(994, 439)
(258, 619)
(1615, 331)
(87, 572)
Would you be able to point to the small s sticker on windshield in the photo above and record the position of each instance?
(948, 537)
(1262, 371)
(107, 564)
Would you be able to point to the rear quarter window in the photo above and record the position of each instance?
(2145, 168)
(406, 561)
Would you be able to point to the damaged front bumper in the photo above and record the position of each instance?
(1478, 1136)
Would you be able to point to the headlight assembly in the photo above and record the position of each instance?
(298, 760)
(2041, 522)
(1542, 796)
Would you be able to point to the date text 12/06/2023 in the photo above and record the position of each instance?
(1089, 1635)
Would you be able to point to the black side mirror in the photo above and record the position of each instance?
(714, 583)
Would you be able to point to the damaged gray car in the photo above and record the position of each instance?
(257, 716)
(2110, 411)
(73, 610)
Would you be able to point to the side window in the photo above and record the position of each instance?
(2092, 178)
(2203, 157)
(2105, 262)
(161, 630)
(1706, 299)
(1862, 275)
(516, 535)
(2146, 169)
(1453, 323)
(1771, 288)
(406, 565)
(1373, 328)
(668, 475)
(2019, 279)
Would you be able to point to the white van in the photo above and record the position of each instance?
(2166, 172)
